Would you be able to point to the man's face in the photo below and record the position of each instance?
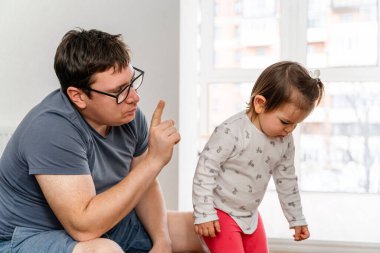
(102, 110)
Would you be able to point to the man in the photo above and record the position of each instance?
(79, 173)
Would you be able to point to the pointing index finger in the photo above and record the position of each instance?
(157, 114)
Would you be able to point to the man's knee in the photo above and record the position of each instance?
(99, 245)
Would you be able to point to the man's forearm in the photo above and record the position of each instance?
(152, 213)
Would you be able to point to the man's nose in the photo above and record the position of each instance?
(133, 96)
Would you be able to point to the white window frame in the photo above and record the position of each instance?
(332, 217)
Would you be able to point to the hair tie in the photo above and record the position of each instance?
(315, 73)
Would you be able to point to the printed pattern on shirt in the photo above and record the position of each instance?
(233, 172)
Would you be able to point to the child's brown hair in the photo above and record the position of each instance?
(279, 82)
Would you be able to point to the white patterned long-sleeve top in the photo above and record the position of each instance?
(233, 172)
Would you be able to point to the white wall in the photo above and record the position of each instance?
(30, 31)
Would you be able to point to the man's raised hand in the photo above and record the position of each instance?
(162, 137)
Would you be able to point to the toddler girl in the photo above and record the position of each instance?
(244, 152)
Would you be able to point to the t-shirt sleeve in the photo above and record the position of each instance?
(222, 145)
(142, 133)
(287, 187)
(53, 145)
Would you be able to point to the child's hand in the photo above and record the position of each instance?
(301, 233)
(208, 228)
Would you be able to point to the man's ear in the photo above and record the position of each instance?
(259, 103)
(77, 96)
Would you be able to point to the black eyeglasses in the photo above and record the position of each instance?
(123, 94)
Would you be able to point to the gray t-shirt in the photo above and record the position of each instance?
(54, 139)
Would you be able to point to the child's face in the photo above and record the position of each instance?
(281, 121)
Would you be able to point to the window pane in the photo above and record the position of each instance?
(340, 141)
(342, 33)
(226, 99)
(223, 101)
(246, 33)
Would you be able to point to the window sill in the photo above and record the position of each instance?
(312, 246)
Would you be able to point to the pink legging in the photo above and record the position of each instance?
(232, 239)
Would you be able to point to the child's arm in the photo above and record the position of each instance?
(220, 147)
(287, 188)
(208, 228)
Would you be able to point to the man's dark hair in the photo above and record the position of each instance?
(81, 54)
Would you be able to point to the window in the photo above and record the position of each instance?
(257, 39)
(344, 34)
(339, 143)
(338, 149)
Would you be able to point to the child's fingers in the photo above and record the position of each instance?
(297, 233)
(196, 229)
(211, 231)
(305, 233)
(217, 226)
(205, 231)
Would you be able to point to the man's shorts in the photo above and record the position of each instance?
(129, 234)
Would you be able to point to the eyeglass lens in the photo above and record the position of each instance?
(134, 85)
